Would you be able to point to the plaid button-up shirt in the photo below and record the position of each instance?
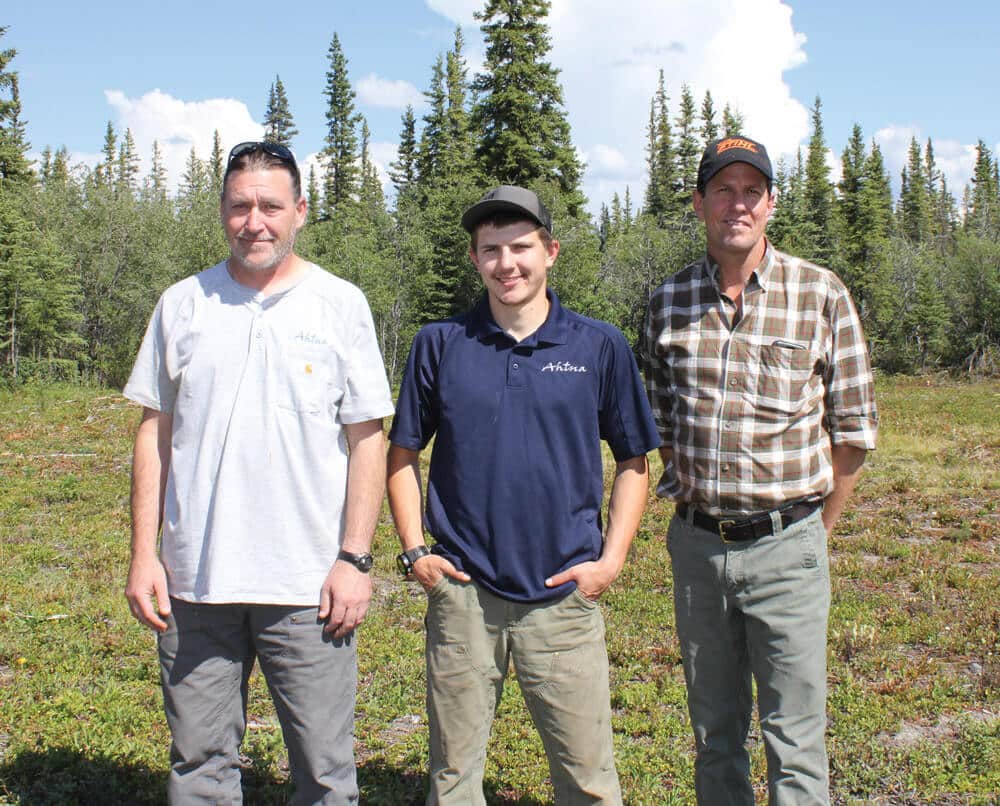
(750, 410)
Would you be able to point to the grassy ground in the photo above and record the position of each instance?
(914, 655)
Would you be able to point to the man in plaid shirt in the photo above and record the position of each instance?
(759, 378)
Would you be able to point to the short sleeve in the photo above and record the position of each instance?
(150, 383)
(626, 421)
(367, 395)
(416, 409)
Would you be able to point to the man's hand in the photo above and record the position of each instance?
(432, 568)
(344, 598)
(592, 578)
(148, 581)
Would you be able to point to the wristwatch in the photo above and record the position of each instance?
(363, 562)
(406, 560)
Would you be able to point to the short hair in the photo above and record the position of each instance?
(258, 159)
(505, 219)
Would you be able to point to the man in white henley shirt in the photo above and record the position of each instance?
(260, 455)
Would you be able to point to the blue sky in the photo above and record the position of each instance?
(175, 73)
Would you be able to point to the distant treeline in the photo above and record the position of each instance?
(84, 253)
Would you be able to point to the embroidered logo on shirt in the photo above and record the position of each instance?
(562, 366)
(308, 337)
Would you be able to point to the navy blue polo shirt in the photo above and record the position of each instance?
(516, 480)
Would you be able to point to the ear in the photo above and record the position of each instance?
(552, 252)
(474, 258)
(301, 207)
(698, 202)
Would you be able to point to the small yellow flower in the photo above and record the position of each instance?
(21, 661)
(309, 369)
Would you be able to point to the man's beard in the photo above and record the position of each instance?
(282, 248)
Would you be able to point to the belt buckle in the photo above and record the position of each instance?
(723, 525)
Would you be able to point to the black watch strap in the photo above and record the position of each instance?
(406, 560)
(363, 562)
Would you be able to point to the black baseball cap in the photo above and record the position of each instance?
(507, 199)
(720, 153)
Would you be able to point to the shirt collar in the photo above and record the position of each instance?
(554, 330)
(758, 277)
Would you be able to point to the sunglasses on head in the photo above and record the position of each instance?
(275, 150)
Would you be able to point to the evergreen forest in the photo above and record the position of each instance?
(85, 252)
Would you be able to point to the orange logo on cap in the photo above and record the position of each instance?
(736, 142)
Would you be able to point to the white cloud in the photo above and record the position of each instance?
(609, 56)
(178, 126)
(458, 11)
(388, 93)
(604, 161)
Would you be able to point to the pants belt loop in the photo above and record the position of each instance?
(775, 522)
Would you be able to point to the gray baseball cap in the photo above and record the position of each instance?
(507, 199)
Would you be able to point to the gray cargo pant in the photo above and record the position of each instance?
(756, 609)
(206, 656)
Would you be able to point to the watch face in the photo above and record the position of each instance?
(363, 562)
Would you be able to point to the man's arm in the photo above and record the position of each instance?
(847, 462)
(344, 597)
(629, 493)
(146, 578)
(406, 505)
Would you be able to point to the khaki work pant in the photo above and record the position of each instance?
(561, 663)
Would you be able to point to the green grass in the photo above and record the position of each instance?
(914, 655)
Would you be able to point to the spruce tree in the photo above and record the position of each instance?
(403, 170)
(874, 289)
(524, 133)
(732, 122)
(459, 142)
(709, 126)
(818, 193)
(661, 194)
(14, 164)
(157, 175)
(370, 196)
(940, 202)
(127, 179)
(312, 197)
(652, 203)
(341, 153)
(195, 179)
(982, 214)
(688, 148)
(216, 164)
(279, 126)
(430, 152)
(914, 201)
(104, 173)
(7, 79)
(848, 205)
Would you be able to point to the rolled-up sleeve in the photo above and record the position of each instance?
(851, 414)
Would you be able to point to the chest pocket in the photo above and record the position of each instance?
(309, 378)
(787, 377)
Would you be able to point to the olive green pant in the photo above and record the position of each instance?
(561, 663)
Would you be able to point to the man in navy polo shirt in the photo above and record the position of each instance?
(518, 393)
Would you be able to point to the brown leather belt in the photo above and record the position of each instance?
(740, 530)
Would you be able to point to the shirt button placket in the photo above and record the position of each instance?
(515, 372)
